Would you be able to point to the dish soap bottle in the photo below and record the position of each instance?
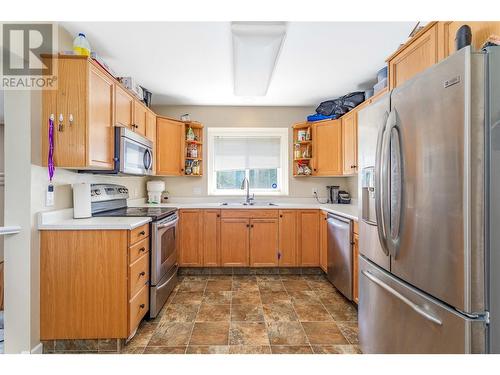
(81, 45)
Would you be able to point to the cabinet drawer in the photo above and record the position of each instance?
(138, 274)
(137, 250)
(138, 307)
(249, 213)
(138, 234)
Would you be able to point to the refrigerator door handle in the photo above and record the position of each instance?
(402, 298)
(392, 178)
(381, 230)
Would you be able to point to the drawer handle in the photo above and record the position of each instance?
(142, 233)
(141, 306)
(142, 273)
(142, 249)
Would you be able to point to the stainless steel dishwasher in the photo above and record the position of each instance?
(340, 254)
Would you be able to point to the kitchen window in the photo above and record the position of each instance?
(259, 154)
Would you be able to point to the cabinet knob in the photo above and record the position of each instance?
(218, 215)
(142, 233)
(142, 249)
(142, 273)
(251, 226)
(248, 225)
(281, 215)
(315, 169)
(142, 306)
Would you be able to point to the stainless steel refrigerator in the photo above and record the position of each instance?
(429, 188)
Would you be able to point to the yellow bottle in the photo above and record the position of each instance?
(81, 45)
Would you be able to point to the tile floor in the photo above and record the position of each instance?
(251, 314)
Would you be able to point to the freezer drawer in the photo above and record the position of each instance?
(396, 318)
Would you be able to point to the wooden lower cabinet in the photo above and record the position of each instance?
(287, 238)
(93, 284)
(264, 242)
(234, 242)
(308, 237)
(323, 241)
(190, 238)
(211, 238)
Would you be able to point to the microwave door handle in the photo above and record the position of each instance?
(381, 230)
(150, 159)
(147, 159)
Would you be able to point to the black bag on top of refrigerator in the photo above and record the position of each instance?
(341, 105)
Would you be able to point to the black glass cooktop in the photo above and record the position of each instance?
(156, 213)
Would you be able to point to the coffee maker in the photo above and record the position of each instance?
(333, 193)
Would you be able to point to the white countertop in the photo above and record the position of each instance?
(63, 220)
(349, 211)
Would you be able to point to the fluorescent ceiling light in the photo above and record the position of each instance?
(256, 46)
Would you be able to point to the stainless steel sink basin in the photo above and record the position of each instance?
(243, 204)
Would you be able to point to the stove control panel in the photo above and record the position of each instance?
(107, 192)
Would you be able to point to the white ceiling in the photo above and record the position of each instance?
(190, 63)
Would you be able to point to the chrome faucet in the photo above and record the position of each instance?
(245, 184)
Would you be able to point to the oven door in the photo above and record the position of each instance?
(164, 249)
(135, 157)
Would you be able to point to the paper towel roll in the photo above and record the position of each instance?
(81, 201)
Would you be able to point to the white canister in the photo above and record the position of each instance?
(81, 201)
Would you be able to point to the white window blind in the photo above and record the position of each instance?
(240, 153)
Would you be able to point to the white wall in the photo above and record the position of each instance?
(220, 116)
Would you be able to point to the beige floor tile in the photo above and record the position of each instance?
(143, 335)
(247, 313)
(324, 333)
(291, 349)
(248, 333)
(249, 349)
(171, 334)
(336, 349)
(165, 350)
(245, 297)
(210, 333)
(213, 313)
(286, 333)
(274, 297)
(343, 311)
(296, 285)
(219, 285)
(271, 286)
(217, 298)
(207, 349)
(350, 331)
(188, 297)
(312, 313)
(279, 312)
(180, 312)
(192, 286)
(304, 297)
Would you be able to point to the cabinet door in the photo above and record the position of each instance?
(190, 232)
(124, 107)
(151, 134)
(355, 268)
(350, 143)
(420, 54)
(140, 117)
(169, 147)
(234, 242)
(323, 241)
(288, 238)
(264, 242)
(308, 237)
(211, 238)
(327, 148)
(70, 142)
(481, 30)
(100, 123)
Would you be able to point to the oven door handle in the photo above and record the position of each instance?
(168, 225)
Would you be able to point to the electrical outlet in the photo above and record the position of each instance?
(314, 191)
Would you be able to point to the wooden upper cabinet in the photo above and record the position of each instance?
(323, 241)
(481, 30)
(169, 147)
(190, 238)
(124, 107)
(350, 143)
(264, 242)
(234, 242)
(417, 55)
(288, 238)
(101, 114)
(140, 113)
(308, 238)
(327, 148)
(211, 238)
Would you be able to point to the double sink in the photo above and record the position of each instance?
(243, 204)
